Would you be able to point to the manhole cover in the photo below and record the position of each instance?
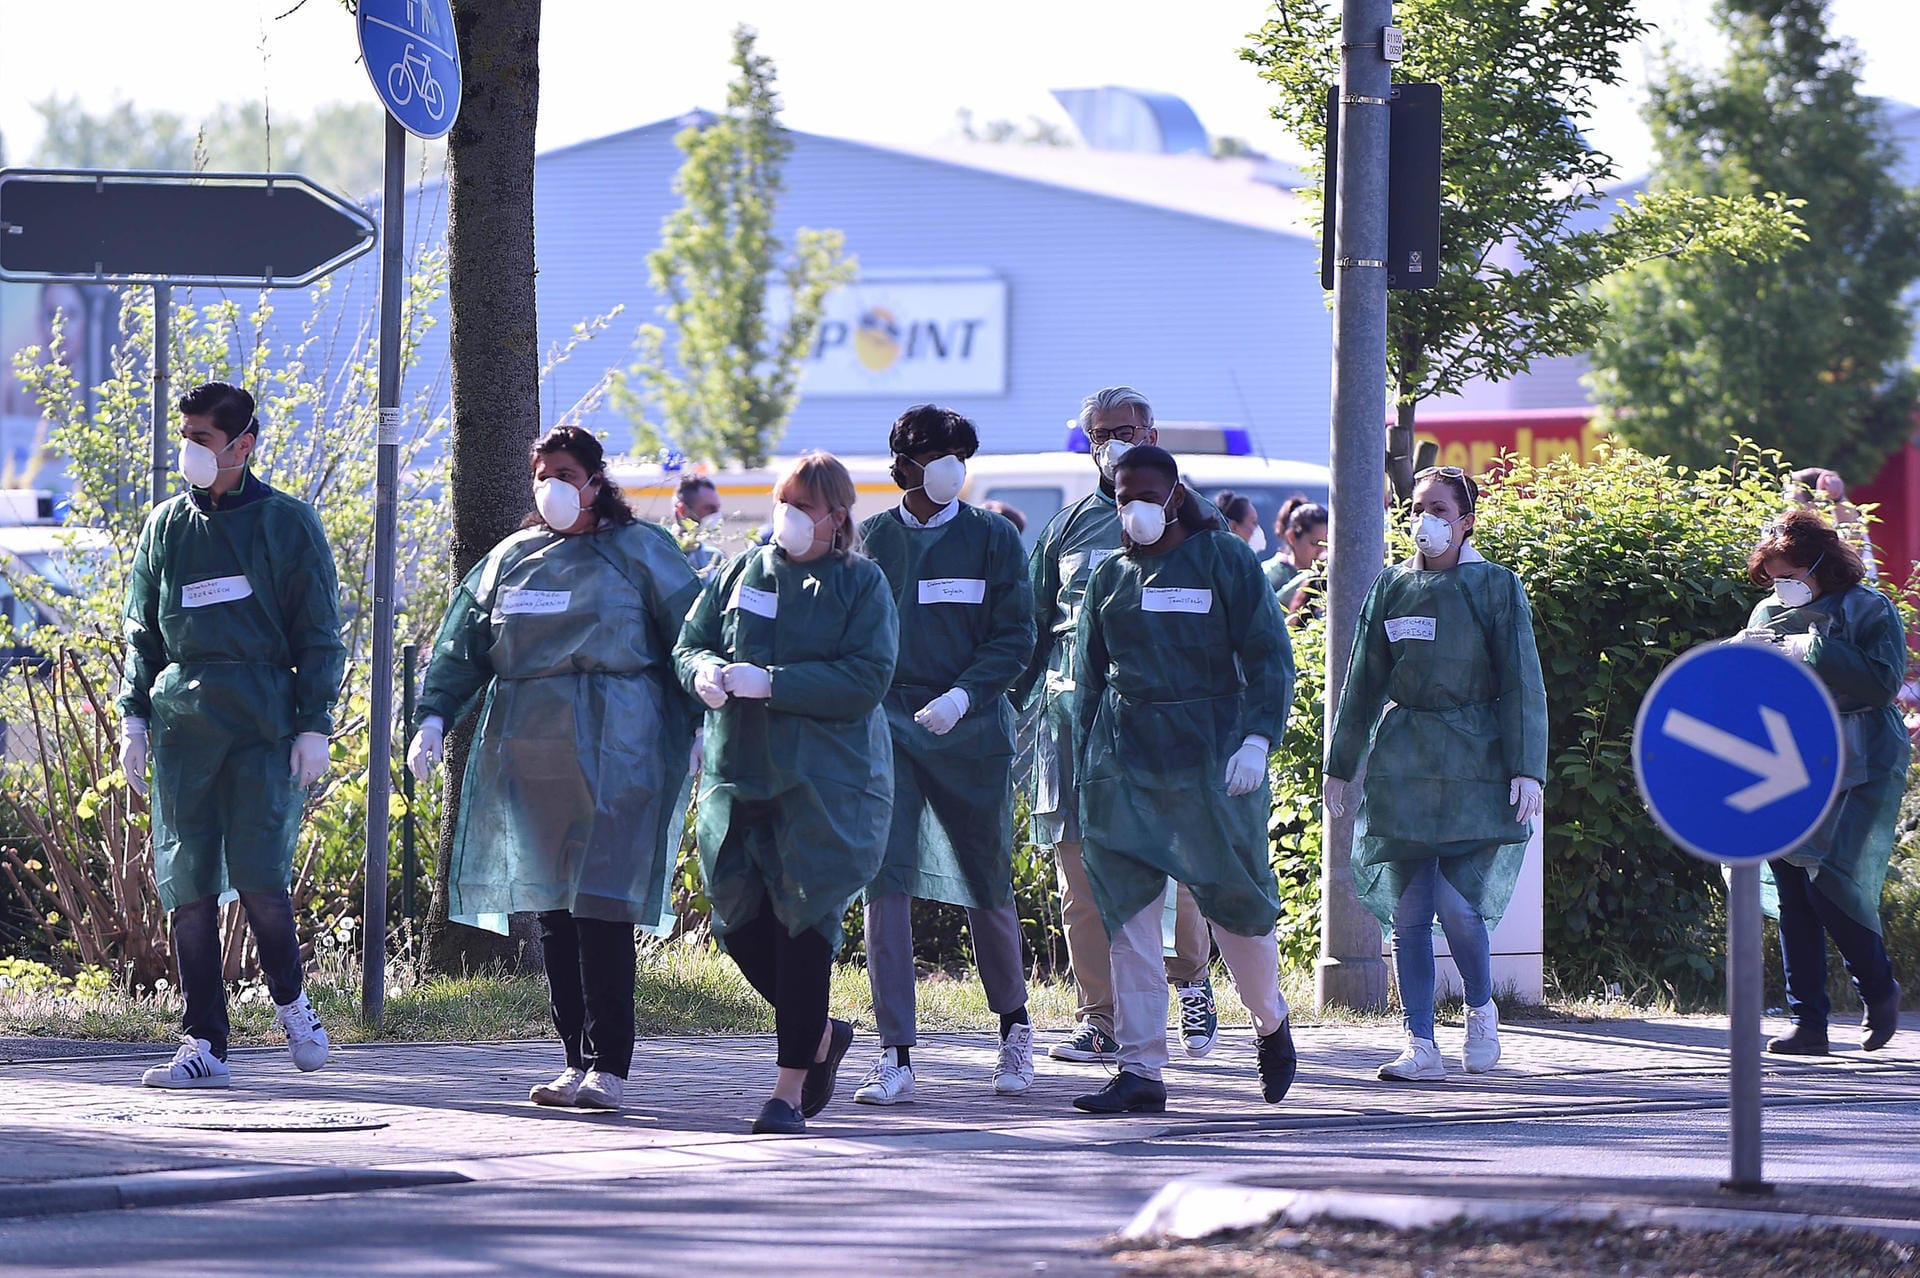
(236, 1119)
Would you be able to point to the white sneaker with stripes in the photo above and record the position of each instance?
(306, 1037)
(194, 1065)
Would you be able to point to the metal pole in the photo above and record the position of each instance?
(162, 401)
(1350, 970)
(373, 920)
(409, 659)
(1743, 1007)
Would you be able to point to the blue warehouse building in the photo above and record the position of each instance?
(1004, 280)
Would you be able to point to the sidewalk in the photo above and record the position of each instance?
(78, 1134)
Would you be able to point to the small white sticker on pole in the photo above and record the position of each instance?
(1393, 43)
(389, 426)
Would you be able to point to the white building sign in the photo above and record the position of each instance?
(923, 335)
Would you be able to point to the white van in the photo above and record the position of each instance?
(1038, 485)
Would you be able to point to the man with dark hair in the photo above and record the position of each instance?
(966, 627)
(234, 663)
(696, 517)
(1074, 543)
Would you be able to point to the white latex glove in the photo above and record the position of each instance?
(1334, 795)
(133, 754)
(309, 758)
(940, 714)
(1248, 767)
(1759, 634)
(707, 685)
(698, 759)
(1799, 646)
(1524, 794)
(744, 680)
(428, 748)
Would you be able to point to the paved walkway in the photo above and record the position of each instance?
(77, 1134)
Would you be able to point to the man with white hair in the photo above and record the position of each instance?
(1074, 543)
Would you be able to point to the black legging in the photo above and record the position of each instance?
(793, 974)
(590, 989)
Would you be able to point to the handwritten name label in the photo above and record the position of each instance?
(198, 594)
(953, 590)
(1399, 628)
(1172, 599)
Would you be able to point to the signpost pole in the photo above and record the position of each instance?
(162, 401)
(373, 918)
(1743, 1006)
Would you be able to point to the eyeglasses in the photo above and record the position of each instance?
(1451, 472)
(1125, 434)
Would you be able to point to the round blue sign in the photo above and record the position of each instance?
(413, 59)
(1738, 752)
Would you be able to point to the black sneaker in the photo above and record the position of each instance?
(817, 1090)
(1278, 1062)
(777, 1118)
(1883, 1018)
(1126, 1093)
(1803, 1039)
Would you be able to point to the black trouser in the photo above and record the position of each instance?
(590, 989)
(196, 954)
(793, 973)
(1807, 919)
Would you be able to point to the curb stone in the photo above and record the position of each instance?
(208, 1185)
(1198, 1207)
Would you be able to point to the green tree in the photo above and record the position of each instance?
(1808, 353)
(1520, 183)
(121, 137)
(1035, 132)
(734, 376)
(493, 343)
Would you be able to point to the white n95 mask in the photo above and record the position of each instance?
(558, 503)
(1144, 522)
(1257, 542)
(200, 465)
(1108, 456)
(1432, 534)
(942, 479)
(792, 529)
(1793, 592)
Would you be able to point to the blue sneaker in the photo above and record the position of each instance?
(1199, 1018)
(1088, 1042)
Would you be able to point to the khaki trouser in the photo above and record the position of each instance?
(1141, 1021)
(1088, 946)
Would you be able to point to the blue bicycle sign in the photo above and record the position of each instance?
(413, 60)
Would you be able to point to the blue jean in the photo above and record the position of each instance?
(1429, 895)
(196, 953)
(1807, 919)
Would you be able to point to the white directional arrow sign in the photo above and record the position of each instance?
(1779, 767)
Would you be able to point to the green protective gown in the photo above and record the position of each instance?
(575, 790)
(1280, 571)
(233, 649)
(966, 621)
(1076, 541)
(1450, 655)
(1185, 654)
(1860, 652)
(797, 793)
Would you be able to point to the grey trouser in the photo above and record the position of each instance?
(996, 952)
(1141, 1024)
(1087, 939)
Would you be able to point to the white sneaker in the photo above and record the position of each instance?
(886, 1083)
(561, 1091)
(1420, 1063)
(306, 1038)
(1482, 1050)
(600, 1091)
(1013, 1071)
(194, 1065)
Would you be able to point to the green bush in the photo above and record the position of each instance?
(1629, 561)
(1293, 827)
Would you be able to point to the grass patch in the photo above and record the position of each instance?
(681, 987)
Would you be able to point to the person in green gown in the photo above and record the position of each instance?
(574, 793)
(792, 649)
(966, 631)
(1822, 612)
(1445, 703)
(1187, 674)
(234, 662)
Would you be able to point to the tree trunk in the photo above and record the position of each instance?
(494, 347)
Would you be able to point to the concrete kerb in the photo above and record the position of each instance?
(1192, 1209)
(189, 1186)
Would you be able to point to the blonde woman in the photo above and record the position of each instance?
(791, 648)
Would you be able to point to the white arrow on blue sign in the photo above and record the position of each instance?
(1738, 752)
(413, 59)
